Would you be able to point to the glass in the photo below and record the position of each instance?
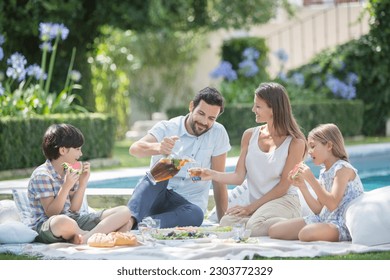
(166, 168)
(194, 171)
(148, 227)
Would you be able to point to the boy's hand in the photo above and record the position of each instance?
(70, 179)
(84, 177)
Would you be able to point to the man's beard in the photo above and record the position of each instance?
(194, 128)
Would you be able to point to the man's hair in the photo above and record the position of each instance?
(211, 96)
(60, 135)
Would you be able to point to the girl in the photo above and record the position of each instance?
(268, 152)
(337, 186)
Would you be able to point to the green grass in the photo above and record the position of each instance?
(121, 152)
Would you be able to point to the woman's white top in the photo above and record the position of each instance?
(264, 170)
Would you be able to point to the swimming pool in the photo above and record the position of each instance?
(371, 161)
(369, 183)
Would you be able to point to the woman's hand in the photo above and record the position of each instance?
(240, 211)
(198, 173)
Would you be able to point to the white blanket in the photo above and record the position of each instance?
(216, 249)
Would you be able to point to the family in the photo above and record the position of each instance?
(271, 161)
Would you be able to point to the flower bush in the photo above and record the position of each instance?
(323, 78)
(238, 85)
(25, 89)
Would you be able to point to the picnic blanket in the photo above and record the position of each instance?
(202, 249)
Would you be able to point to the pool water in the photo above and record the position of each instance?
(370, 182)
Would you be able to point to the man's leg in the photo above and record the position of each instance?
(143, 197)
(174, 210)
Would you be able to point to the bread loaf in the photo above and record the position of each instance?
(112, 239)
(101, 240)
(123, 238)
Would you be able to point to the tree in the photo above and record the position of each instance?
(19, 20)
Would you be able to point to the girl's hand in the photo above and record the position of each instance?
(84, 177)
(298, 175)
(198, 173)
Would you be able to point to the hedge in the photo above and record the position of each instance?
(21, 138)
(347, 114)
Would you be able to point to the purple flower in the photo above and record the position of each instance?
(298, 79)
(1, 90)
(2, 39)
(224, 70)
(36, 72)
(282, 55)
(49, 31)
(16, 70)
(248, 68)
(250, 54)
(46, 46)
(340, 89)
(1, 54)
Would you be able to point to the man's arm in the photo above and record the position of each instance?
(148, 146)
(220, 190)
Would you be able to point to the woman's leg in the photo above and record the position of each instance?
(280, 209)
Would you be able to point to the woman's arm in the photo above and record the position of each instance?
(232, 178)
(295, 155)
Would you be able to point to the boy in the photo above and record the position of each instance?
(56, 194)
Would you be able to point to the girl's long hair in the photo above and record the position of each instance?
(329, 132)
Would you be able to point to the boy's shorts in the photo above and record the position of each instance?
(85, 222)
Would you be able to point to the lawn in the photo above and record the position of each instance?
(121, 152)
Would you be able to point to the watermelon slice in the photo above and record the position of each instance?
(77, 167)
(295, 171)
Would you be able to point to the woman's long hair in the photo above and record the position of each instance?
(275, 95)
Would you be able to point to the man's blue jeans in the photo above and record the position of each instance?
(158, 202)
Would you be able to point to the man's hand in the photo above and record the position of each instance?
(167, 144)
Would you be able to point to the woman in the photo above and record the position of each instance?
(268, 152)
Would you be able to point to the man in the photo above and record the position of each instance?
(181, 201)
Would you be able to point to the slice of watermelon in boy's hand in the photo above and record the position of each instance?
(77, 167)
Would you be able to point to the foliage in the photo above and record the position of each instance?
(237, 118)
(18, 21)
(26, 90)
(153, 69)
(242, 68)
(357, 69)
(21, 138)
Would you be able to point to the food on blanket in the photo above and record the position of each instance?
(294, 173)
(166, 168)
(101, 240)
(180, 233)
(123, 238)
(112, 239)
(76, 167)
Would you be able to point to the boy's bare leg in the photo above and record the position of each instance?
(113, 219)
